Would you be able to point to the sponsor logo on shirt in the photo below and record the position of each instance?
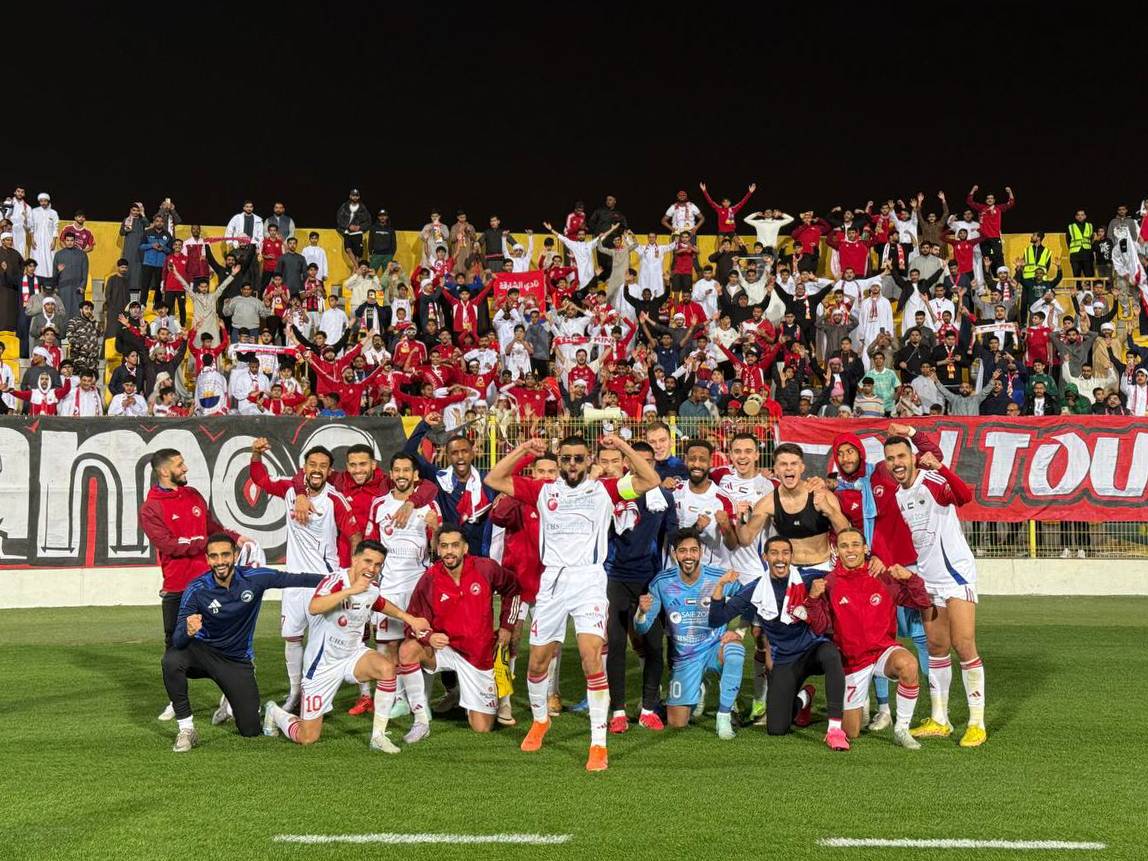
(214, 607)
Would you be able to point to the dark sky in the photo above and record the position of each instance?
(522, 112)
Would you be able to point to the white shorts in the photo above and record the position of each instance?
(569, 592)
(386, 628)
(857, 682)
(322, 681)
(942, 592)
(293, 615)
(477, 691)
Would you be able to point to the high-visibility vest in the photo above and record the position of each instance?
(1079, 237)
(1034, 259)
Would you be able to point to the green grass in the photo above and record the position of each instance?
(86, 771)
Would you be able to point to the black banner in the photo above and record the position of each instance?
(71, 490)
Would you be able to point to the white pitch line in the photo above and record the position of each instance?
(1022, 845)
(522, 839)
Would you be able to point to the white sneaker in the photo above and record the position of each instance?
(881, 720)
(1080, 554)
(506, 713)
(447, 702)
(400, 709)
(380, 742)
(168, 713)
(902, 737)
(1064, 553)
(270, 728)
(700, 708)
(186, 740)
(222, 714)
(418, 731)
(725, 727)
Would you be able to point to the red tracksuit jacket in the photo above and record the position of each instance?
(178, 523)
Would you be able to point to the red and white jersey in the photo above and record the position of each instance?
(691, 505)
(313, 548)
(340, 629)
(573, 521)
(929, 509)
(407, 547)
(744, 493)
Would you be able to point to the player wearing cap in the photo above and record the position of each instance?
(861, 610)
(574, 513)
(341, 605)
(928, 497)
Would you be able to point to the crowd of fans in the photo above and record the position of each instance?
(918, 312)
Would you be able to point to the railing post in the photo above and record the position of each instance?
(1032, 539)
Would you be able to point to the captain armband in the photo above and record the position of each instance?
(626, 487)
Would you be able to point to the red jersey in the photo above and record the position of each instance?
(862, 611)
(521, 555)
(581, 372)
(271, 250)
(881, 225)
(633, 405)
(726, 215)
(808, 236)
(215, 352)
(177, 523)
(314, 295)
(463, 610)
(42, 402)
(535, 398)
(892, 542)
(346, 526)
(575, 221)
(420, 406)
(279, 297)
(683, 260)
(176, 265)
(963, 253)
(990, 217)
(361, 496)
(409, 352)
(85, 241)
(852, 253)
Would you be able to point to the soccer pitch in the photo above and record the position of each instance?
(88, 771)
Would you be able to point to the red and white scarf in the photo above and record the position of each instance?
(765, 600)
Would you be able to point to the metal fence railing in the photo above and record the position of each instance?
(1001, 540)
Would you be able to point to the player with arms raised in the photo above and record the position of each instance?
(574, 514)
(928, 496)
(341, 604)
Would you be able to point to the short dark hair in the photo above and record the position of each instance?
(163, 457)
(743, 435)
(697, 442)
(221, 538)
(841, 532)
(361, 448)
(642, 446)
(684, 535)
(547, 456)
(789, 448)
(448, 528)
(776, 539)
(369, 544)
(573, 439)
(402, 455)
(899, 440)
(319, 449)
(459, 438)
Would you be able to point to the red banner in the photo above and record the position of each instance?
(1091, 468)
(529, 284)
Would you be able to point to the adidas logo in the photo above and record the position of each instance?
(844, 600)
(442, 598)
(214, 606)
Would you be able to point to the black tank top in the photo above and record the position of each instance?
(805, 524)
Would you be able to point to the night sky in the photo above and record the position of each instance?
(522, 114)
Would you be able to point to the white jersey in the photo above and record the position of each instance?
(573, 522)
(929, 509)
(691, 505)
(313, 547)
(744, 493)
(407, 548)
(340, 629)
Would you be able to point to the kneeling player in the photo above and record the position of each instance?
(862, 611)
(795, 653)
(341, 605)
(683, 594)
(455, 597)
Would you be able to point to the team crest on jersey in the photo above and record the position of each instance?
(879, 491)
(676, 618)
(552, 503)
(706, 601)
(475, 589)
(341, 621)
(196, 510)
(875, 599)
(246, 596)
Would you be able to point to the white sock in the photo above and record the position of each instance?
(973, 676)
(284, 720)
(618, 713)
(412, 683)
(598, 698)
(384, 700)
(647, 711)
(293, 652)
(536, 690)
(511, 664)
(553, 673)
(906, 702)
(364, 689)
(883, 707)
(835, 723)
(940, 677)
(803, 697)
(186, 723)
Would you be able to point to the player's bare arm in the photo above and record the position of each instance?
(762, 510)
(644, 477)
(501, 476)
(827, 504)
(727, 529)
